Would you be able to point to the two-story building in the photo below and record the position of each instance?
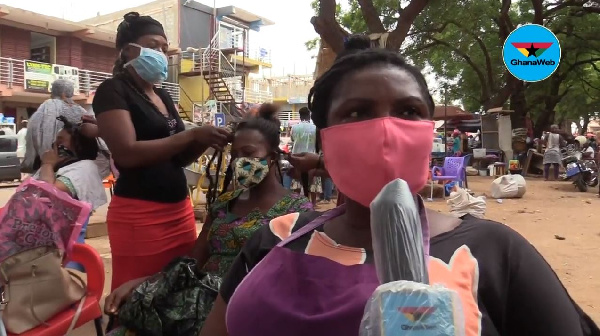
(36, 49)
(217, 54)
(290, 92)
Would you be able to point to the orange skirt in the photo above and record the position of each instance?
(145, 236)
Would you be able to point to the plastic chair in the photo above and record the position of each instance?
(453, 170)
(94, 268)
(467, 160)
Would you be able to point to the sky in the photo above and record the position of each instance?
(285, 39)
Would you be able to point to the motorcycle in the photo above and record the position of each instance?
(581, 170)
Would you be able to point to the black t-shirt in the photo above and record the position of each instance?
(506, 287)
(162, 182)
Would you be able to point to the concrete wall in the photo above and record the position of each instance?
(15, 42)
(69, 51)
(164, 11)
(193, 89)
(98, 58)
(196, 23)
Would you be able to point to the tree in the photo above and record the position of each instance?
(468, 49)
(461, 41)
(365, 16)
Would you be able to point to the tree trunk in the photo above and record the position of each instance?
(546, 118)
(325, 59)
(518, 104)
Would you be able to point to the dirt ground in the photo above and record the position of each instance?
(547, 209)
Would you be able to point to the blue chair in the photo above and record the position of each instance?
(453, 170)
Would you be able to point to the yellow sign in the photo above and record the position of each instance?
(38, 76)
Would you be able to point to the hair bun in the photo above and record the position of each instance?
(269, 112)
(131, 17)
(357, 42)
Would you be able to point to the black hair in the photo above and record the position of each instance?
(304, 113)
(268, 124)
(84, 148)
(357, 55)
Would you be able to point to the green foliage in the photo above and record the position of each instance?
(461, 41)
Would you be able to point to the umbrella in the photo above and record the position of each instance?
(450, 113)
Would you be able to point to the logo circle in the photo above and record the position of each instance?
(531, 53)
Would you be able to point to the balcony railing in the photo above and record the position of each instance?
(253, 97)
(12, 73)
(90, 80)
(231, 37)
(260, 54)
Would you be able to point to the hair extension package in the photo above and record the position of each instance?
(405, 304)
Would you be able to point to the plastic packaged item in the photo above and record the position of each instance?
(38, 214)
(398, 242)
(462, 203)
(405, 305)
(509, 186)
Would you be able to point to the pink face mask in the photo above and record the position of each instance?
(363, 157)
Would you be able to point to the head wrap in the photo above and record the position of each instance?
(135, 26)
(62, 87)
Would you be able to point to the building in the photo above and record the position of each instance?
(290, 92)
(217, 54)
(36, 49)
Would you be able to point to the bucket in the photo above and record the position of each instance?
(483, 172)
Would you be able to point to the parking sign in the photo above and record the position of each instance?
(220, 119)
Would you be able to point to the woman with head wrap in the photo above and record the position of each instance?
(44, 125)
(150, 220)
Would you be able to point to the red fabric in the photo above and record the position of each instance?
(145, 236)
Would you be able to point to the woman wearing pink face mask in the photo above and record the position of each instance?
(374, 110)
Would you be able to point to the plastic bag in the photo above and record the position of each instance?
(405, 305)
(398, 242)
(38, 214)
(462, 203)
(508, 186)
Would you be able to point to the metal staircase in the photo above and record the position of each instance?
(223, 78)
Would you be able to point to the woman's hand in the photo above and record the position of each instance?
(215, 137)
(115, 299)
(51, 157)
(304, 162)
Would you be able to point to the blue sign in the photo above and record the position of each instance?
(220, 119)
(531, 53)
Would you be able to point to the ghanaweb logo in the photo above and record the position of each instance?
(531, 53)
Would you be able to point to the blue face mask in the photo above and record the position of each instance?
(151, 65)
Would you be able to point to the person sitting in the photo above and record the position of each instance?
(235, 215)
(70, 166)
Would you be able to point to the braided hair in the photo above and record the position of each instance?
(84, 148)
(265, 122)
(357, 55)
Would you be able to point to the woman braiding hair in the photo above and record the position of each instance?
(150, 219)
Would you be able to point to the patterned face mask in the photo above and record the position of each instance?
(249, 172)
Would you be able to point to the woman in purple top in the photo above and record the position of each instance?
(317, 280)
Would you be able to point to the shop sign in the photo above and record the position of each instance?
(38, 76)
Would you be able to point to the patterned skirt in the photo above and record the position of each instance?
(315, 186)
